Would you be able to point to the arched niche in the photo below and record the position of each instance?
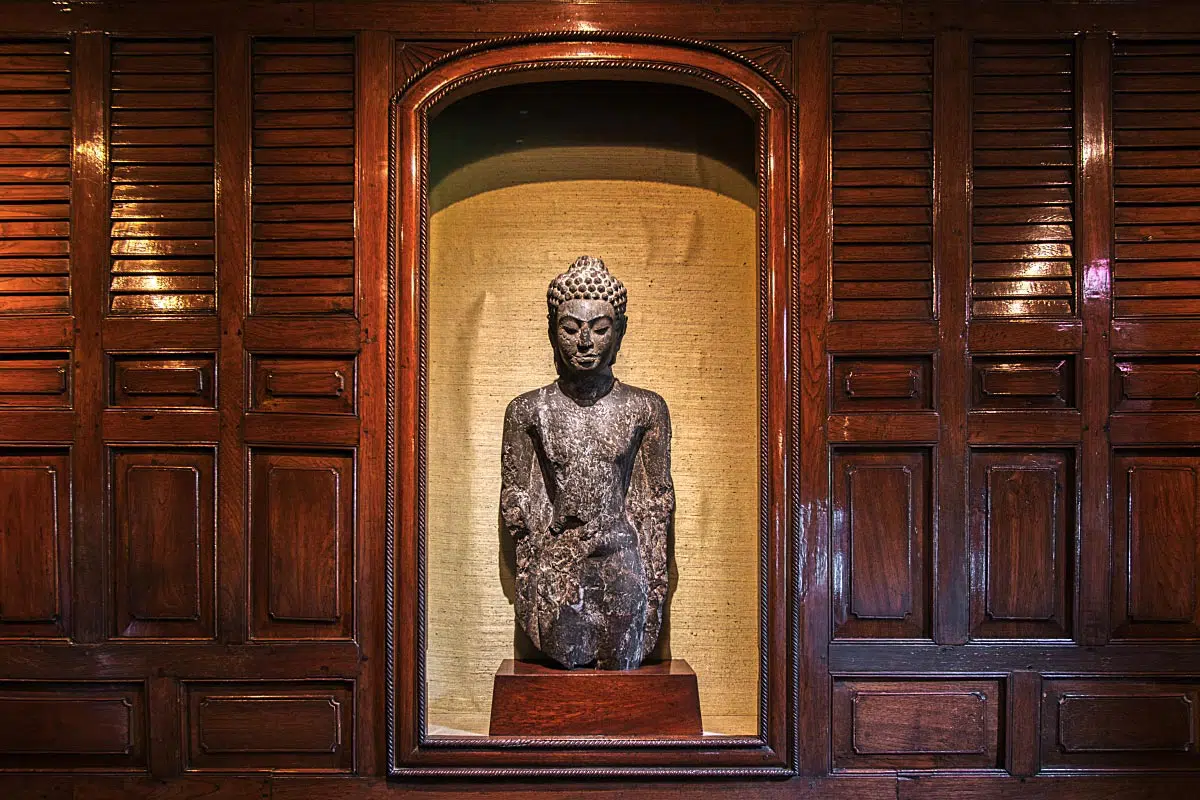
(673, 161)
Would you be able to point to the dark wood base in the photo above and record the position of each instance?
(655, 700)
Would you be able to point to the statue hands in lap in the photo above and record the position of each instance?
(586, 487)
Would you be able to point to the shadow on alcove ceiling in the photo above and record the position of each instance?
(590, 130)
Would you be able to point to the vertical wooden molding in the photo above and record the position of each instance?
(232, 157)
(166, 758)
(952, 270)
(1093, 243)
(372, 96)
(89, 271)
(1024, 708)
(815, 244)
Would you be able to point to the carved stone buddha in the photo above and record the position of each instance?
(586, 488)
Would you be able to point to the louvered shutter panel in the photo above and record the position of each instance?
(1156, 132)
(35, 177)
(882, 180)
(1024, 177)
(161, 142)
(303, 176)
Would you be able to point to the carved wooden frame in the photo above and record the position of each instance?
(774, 751)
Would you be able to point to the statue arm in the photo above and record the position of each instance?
(516, 463)
(656, 461)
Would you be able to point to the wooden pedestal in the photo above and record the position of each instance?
(655, 700)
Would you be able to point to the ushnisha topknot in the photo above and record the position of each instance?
(586, 279)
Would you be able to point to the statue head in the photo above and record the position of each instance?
(587, 317)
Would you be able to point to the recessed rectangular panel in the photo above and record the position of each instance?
(305, 725)
(1162, 533)
(303, 385)
(879, 384)
(164, 543)
(1144, 384)
(880, 550)
(70, 726)
(916, 724)
(162, 381)
(1021, 521)
(1155, 545)
(1119, 724)
(35, 380)
(302, 577)
(1020, 382)
(35, 542)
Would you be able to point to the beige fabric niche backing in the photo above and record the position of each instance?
(688, 256)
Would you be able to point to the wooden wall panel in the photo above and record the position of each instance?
(1156, 111)
(1156, 384)
(882, 180)
(302, 573)
(1156, 545)
(1023, 176)
(161, 130)
(65, 727)
(1022, 513)
(306, 726)
(1093, 724)
(881, 544)
(303, 176)
(35, 380)
(997, 235)
(35, 175)
(177, 380)
(35, 545)
(164, 543)
(880, 724)
(303, 385)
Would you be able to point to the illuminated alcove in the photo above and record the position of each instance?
(659, 181)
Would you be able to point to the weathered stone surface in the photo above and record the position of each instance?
(586, 488)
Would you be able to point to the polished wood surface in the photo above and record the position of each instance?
(655, 700)
(981, 573)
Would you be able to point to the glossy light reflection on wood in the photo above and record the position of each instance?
(998, 160)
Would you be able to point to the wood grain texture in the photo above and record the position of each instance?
(1023, 161)
(880, 548)
(161, 129)
(916, 724)
(1137, 725)
(1065, 184)
(164, 543)
(303, 140)
(882, 179)
(302, 556)
(530, 699)
(35, 175)
(1022, 522)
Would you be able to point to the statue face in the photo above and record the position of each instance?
(586, 336)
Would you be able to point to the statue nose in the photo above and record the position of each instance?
(585, 340)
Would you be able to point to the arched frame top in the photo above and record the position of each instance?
(566, 57)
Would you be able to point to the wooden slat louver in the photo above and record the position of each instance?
(161, 141)
(1023, 174)
(1156, 160)
(35, 177)
(882, 180)
(303, 176)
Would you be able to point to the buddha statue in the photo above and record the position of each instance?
(586, 488)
